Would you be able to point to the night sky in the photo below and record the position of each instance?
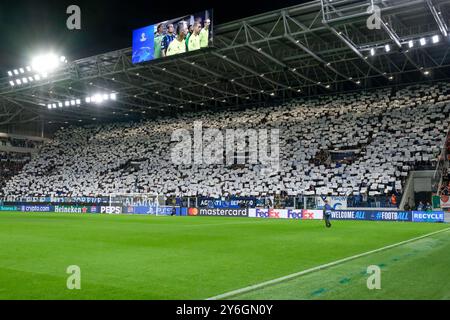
(31, 26)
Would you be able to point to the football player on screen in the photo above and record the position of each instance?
(178, 45)
(167, 40)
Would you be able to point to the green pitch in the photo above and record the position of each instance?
(141, 257)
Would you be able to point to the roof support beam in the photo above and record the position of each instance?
(438, 18)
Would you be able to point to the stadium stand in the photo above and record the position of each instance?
(11, 164)
(360, 144)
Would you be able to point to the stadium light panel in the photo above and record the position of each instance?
(54, 106)
(436, 39)
(78, 101)
(10, 73)
(12, 83)
(372, 52)
(16, 72)
(67, 103)
(18, 81)
(49, 106)
(411, 43)
(22, 70)
(113, 96)
(24, 80)
(72, 102)
(98, 98)
(423, 41)
(60, 104)
(45, 63)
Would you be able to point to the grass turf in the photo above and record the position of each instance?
(144, 257)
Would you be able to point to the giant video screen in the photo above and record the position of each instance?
(173, 37)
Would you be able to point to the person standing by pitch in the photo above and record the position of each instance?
(327, 214)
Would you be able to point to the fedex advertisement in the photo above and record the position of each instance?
(286, 214)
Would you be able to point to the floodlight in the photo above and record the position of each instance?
(28, 68)
(98, 98)
(21, 70)
(67, 103)
(54, 106)
(24, 80)
(372, 52)
(88, 100)
(60, 104)
(10, 73)
(436, 39)
(16, 72)
(423, 41)
(12, 83)
(78, 101)
(113, 96)
(387, 48)
(30, 79)
(72, 102)
(411, 43)
(105, 97)
(49, 106)
(427, 73)
(18, 81)
(37, 77)
(45, 63)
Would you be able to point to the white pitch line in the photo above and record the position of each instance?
(331, 264)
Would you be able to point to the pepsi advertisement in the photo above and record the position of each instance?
(173, 37)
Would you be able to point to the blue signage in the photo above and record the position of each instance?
(428, 216)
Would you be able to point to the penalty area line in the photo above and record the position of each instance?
(321, 267)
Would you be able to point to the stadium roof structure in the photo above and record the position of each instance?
(308, 49)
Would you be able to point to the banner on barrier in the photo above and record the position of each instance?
(152, 210)
(37, 208)
(286, 214)
(76, 209)
(432, 216)
(111, 210)
(218, 212)
(8, 208)
(371, 215)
